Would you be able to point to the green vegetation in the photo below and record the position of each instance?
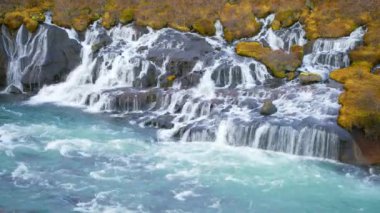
(280, 63)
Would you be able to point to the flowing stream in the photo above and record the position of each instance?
(166, 121)
(59, 159)
(126, 70)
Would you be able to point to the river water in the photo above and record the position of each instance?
(58, 159)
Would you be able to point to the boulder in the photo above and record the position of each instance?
(268, 108)
(310, 78)
(57, 56)
(162, 121)
(279, 62)
(12, 89)
(180, 57)
(101, 41)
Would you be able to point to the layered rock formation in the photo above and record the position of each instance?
(42, 58)
(177, 62)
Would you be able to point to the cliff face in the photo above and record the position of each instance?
(3, 65)
(37, 59)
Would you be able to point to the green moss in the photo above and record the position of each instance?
(14, 20)
(309, 78)
(204, 27)
(361, 99)
(279, 62)
(126, 16)
(179, 27)
(31, 24)
(367, 54)
(108, 21)
(239, 20)
(81, 23)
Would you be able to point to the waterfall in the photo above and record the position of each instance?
(330, 54)
(195, 88)
(40, 58)
(26, 53)
(282, 39)
(306, 140)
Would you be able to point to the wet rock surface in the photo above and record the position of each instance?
(3, 64)
(49, 57)
(13, 90)
(194, 88)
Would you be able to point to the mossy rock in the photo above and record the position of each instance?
(367, 54)
(268, 108)
(126, 16)
(361, 99)
(108, 21)
(179, 27)
(31, 24)
(280, 63)
(276, 25)
(14, 20)
(155, 24)
(204, 27)
(81, 23)
(239, 21)
(291, 75)
(310, 78)
(286, 18)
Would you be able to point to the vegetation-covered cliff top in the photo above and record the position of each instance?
(321, 19)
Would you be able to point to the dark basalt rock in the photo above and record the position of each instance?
(180, 57)
(190, 80)
(268, 108)
(162, 122)
(196, 132)
(3, 65)
(150, 79)
(130, 99)
(13, 90)
(222, 74)
(62, 56)
(101, 41)
(249, 103)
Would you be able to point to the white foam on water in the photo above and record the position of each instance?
(182, 196)
(102, 203)
(68, 147)
(13, 137)
(23, 177)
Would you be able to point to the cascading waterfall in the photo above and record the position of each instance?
(26, 53)
(304, 140)
(331, 54)
(197, 89)
(282, 39)
(36, 59)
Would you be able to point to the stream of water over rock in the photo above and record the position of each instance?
(194, 96)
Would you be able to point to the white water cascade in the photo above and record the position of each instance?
(26, 53)
(330, 54)
(197, 89)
